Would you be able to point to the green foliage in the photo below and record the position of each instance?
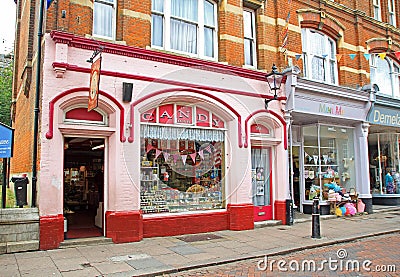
(6, 73)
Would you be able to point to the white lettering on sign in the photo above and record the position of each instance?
(4, 141)
(216, 122)
(165, 114)
(386, 118)
(147, 116)
(202, 117)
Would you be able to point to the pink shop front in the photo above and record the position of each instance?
(167, 154)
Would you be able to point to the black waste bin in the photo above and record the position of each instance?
(20, 188)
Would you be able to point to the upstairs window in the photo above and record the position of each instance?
(377, 9)
(187, 26)
(319, 57)
(385, 74)
(104, 18)
(249, 37)
(392, 13)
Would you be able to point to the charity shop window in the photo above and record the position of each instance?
(384, 165)
(249, 37)
(187, 26)
(319, 56)
(385, 73)
(377, 9)
(182, 160)
(329, 161)
(104, 18)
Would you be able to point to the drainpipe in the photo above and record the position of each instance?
(36, 110)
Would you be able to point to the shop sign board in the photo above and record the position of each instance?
(182, 115)
(6, 141)
(329, 108)
(385, 116)
(94, 84)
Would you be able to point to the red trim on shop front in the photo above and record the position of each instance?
(241, 216)
(51, 231)
(280, 210)
(152, 55)
(148, 96)
(124, 226)
(280, 118)
(49, 134)
(143, 78)
(172, 225)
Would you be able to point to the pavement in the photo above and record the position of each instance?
(162, 255)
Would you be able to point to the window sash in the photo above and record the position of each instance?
(104, 18)
(319, 57)
(377, 9)
(385, 74)
(249, 37)
(187, 26)
(392, 14)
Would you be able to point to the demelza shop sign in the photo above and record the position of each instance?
(387, 117)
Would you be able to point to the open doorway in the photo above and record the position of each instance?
(83, 186)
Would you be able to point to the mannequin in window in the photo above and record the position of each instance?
(389, 183)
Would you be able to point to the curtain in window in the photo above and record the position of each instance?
(157, 5)
(103, 18)
(183, 33)
(380, 75)
(183, 36)
(186, 9)
(175, 133)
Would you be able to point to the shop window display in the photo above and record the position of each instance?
(384, 165)
(182, 159)
(181, 175)
(328, 161)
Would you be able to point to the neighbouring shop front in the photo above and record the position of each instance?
(383, 149)
(328, 145)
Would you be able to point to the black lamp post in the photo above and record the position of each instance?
(274, 79)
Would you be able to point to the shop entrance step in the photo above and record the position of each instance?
(85, 241)
(267, 223)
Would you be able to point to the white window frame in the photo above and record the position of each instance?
(376, 5)
(394, 75)
(392, 12)
(113, 4)
(166, 36)
(253, 51)
(329, 58)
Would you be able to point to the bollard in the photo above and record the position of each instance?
(316, 233)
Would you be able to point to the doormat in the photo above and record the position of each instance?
(84, 233)
(199, 237)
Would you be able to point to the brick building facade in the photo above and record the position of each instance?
(207, 59)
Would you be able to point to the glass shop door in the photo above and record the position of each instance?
(261, 183)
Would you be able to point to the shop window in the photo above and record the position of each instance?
(80, 115)
(385, 73)
(182, 160)
(329, 161)
(384, 163)
(320, 56)
(249, 37)
(187, 26)
(104, 18)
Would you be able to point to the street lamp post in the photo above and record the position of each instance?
(274, 79)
